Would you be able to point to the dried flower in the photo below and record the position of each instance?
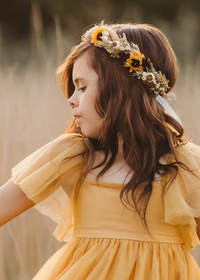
(134, 62)
(96, 35)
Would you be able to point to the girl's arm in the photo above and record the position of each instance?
(12, 202)
(198, 226)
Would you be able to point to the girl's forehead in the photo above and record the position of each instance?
(82, 70)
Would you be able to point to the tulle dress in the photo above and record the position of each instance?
(105, 240)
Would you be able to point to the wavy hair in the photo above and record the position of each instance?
(130, 109)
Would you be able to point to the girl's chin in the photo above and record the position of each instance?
(92, 136)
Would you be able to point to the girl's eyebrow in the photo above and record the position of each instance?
(78, 79)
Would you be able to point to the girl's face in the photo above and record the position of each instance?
(83, 99)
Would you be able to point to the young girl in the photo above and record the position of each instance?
(122, 184)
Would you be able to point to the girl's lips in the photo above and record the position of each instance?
(76, 117)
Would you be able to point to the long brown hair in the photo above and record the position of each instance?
(130, 109)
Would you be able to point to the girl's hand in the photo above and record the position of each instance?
(12, 202)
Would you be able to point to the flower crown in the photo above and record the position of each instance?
(139, 66)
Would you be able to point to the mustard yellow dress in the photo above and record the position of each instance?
(105, 240)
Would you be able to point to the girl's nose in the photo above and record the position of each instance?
(72, 101)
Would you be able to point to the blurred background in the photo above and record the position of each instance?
(35, 37)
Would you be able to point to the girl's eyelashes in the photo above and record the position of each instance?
(81, 89)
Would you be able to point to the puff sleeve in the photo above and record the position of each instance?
(182, 199)
(48, 177)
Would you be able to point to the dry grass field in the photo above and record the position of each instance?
(33, 111)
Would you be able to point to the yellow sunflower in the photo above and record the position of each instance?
(136, 55)
(95, 34)
(134, 62)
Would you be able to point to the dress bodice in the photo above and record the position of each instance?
(99, 213)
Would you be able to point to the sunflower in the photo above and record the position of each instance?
(96, 35)
(136, 55)
(134, 62)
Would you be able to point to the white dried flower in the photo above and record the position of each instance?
(157, 85)
(146, 76)
(105, 38)
(116, 45)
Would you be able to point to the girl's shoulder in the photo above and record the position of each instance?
(182, 199)
(67, 139)
(73, 143)
(189, 154)
(66, 145)
(189, 146)
(47, 165)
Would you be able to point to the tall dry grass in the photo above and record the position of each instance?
(33, 112)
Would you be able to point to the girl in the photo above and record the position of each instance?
(122, 184)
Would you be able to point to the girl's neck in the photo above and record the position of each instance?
(118, 172)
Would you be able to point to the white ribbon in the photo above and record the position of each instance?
(166, 106)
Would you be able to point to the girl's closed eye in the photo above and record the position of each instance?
(82, 89)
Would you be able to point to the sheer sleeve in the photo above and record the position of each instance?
(48, 177)
(182, 200)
